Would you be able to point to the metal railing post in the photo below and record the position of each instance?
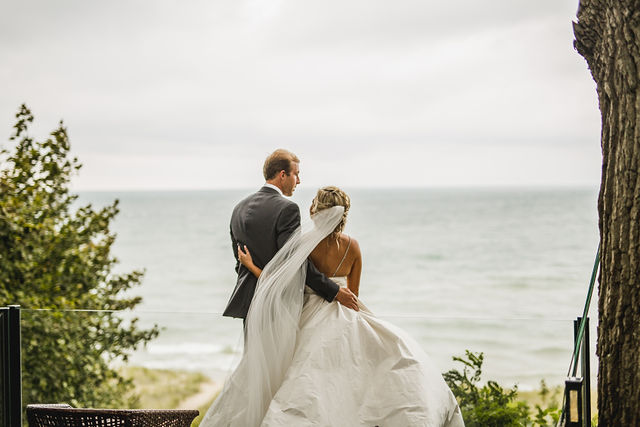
(586, 373)
(578, 410)
(11, 366)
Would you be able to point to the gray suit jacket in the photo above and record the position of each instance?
(263, 222)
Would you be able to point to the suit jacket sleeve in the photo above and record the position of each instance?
(288, 222)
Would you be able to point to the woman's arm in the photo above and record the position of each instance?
(245, 258)
(353, 278)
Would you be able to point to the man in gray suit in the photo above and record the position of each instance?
(263, 222)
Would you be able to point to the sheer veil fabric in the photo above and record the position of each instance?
(272, 327)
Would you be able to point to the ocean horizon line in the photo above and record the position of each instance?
(356, 188)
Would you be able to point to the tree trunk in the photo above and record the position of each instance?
(608, 37)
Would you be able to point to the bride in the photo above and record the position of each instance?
(361, 371)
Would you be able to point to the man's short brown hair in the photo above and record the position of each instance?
(279, 160)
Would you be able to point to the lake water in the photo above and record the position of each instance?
(502, 271)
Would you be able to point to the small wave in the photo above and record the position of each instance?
(556, 350)
(191, 349)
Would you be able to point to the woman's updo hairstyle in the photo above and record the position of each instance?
(328, 197)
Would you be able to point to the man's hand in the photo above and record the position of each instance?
(347, 298)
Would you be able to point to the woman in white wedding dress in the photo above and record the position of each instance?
(308, 362)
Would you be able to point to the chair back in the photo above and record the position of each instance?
(62, 415)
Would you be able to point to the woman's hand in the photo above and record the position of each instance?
(244, 256)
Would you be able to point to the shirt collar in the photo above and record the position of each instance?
(274, 187)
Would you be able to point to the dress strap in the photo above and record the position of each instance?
(343, 258)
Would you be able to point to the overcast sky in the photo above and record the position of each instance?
(194, 94)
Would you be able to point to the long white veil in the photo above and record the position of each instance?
(272, 327)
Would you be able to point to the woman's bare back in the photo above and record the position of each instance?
(341, 258)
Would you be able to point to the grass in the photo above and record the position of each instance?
(551, 395)
(165, 389)
(203, 410)
(162, 388)
(544, 396)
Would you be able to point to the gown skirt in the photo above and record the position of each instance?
(360, 371)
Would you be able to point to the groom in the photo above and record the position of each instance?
(263, 222)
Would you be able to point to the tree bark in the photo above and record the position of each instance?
(608, 37)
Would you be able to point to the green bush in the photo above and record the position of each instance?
(491, 405)
(55, 257)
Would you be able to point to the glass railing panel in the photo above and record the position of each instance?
(188, 361)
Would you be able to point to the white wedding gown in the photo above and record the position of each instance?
(342, 368)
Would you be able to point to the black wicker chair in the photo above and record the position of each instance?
(67, 416)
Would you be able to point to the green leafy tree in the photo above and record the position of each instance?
(56, 256)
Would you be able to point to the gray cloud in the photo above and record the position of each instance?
(169, 80)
